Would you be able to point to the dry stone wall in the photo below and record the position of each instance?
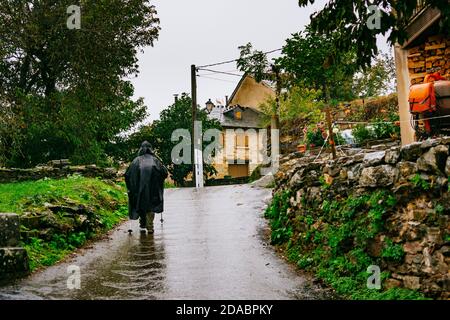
(418, 176)
(56, 172)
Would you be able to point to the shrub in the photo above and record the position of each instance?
(362, 133)
(392, 252)
(315, 138)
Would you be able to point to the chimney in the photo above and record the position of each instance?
(226, 100)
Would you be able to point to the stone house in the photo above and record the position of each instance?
(425, 52)
(241, 119)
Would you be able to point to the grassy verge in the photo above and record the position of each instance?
(63, 214)
(331, 240)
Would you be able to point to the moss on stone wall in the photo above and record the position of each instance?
(337, 218)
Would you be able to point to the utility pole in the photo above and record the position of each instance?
(329, 122)
(275, 120)
(194, 118)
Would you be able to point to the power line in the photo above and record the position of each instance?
(234, 60)
(217, 79)
(220, 72)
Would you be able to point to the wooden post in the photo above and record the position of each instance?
(194, 117)
(330, 133)
(275, 121)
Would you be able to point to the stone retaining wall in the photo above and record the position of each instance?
(56, 172)
(13, 260)
(418, 174)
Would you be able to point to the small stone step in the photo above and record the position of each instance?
(13, 263)
(9, 230)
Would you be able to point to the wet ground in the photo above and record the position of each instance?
(212, 245)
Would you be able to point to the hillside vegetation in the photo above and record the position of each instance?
(58, 216)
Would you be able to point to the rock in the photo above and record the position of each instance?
(445, 250)
(411, 282)
(59, 163)
(13, 263)
(296, 179)
(434, 160)
(59, 169)
(434, 236)
(392, 156)
(343, 175)
(442, 182)
(353, 151)
(9, 230)
(413, 247)
(384, 175)
(406, 169)
(447, 167)
(331, 170)
(314, 194)
(358, 157)
(445, 140)
(374, 158)
(414, 258)
(30, 221)
(354, 172)
(264, 182)
(411, 152)
(429, 143)
(392, 283)
(428, 261)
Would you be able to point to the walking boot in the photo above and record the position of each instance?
(149, 223)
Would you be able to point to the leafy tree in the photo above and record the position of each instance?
(178, 116)
(67, 86)
(297, 103)
(349, 19)
(126, 147)
(312, 60)
(377, 80)
(254, 62)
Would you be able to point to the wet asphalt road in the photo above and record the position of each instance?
(213, 245)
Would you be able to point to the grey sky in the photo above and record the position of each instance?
(207, 31)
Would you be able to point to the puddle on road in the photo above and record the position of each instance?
(140, 274)
(210, 248)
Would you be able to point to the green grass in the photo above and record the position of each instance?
(15, 196)
(107, 201)
(169, 185)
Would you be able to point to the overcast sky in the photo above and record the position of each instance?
(207, 31)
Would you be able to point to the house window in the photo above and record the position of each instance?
(240, 140)
(238, 115)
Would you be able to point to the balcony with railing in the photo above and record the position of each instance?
(421, 5)
(422, 19)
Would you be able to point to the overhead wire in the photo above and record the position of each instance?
(234, 60)
(217, 79)
(220, 72)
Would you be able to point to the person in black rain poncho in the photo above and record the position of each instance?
(145, 183)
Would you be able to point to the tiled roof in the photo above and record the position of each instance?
(225, 115)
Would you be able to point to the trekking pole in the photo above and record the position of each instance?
(130, 230)
(162, 220)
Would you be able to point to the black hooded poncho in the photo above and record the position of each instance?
(145, 183)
